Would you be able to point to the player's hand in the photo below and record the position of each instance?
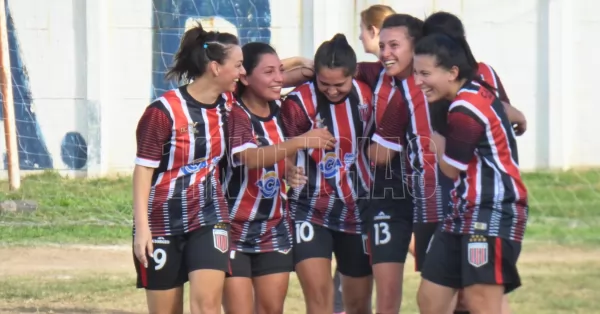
(319, 138)
(519, 124)
(295, 176)
(437, 142)
(142, 245)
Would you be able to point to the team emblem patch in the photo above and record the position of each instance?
(477, 251)
(363, 110)
(221, 240)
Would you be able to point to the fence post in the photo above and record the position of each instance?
(10, 127)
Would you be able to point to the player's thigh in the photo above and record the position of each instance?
(490, 261)
(238, 292)
(311, 241)
(166, 267)
(388, 239)
(164, 277)
(207, 259)
(274, 262)
(354, 266)
(271, 273)
(423, 234)
(443, 264)
(313, 248)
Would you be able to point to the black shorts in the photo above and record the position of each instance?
(459, 261)
(389, 229)
(174, 257)
(250, 265)
(314, 241)
(424, 233)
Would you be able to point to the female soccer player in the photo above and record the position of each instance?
(390, 219)
(449, 24)
(327, 209)
(480, 240)
(261, 257)
(181, 218)
(371, 21)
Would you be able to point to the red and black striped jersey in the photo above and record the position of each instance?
(390, 180)
(339, 180)
(406, 123)
(489, 197)
(260, 219)
(487, 73)
(184, 140)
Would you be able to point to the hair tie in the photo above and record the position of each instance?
(205, 46)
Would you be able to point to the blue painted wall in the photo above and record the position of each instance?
(251, 17)
(33, 153)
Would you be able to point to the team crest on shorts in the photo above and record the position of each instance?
(221, 240)
(477, 251)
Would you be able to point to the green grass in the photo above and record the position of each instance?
(564, 209)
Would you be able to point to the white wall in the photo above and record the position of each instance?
(89, 64)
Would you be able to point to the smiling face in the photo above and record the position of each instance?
(436, 82)
(334, 84)
(395, 50)
(266, 79)
(228, 73)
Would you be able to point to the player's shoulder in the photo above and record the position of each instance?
(484, 69)
(370, 66)
(307, 87)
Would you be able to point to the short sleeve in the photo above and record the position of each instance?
(152, 133)
(465, 131)
(293, 117)
(391, 130)
(241, 134)
(368, 72)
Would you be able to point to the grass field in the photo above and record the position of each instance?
(72, 255)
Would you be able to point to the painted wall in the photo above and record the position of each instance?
(84, 70)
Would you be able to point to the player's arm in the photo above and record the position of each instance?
(297, 71)
(368, 72)
(153, 131)
(390, 135)
(463, 135)
(514, 115)
(245, 151)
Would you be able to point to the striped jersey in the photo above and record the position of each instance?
(390, 180)
(183, 140)
(406, 124)
(489, 197)
(260, 220)
(339, 179)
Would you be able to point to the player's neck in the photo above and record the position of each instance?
(404, 74)
(456, 86)
(256, 105)
(204, 91)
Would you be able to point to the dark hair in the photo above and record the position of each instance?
(444, 22)
(199, 47)
(412, 24)
(253, 52)
(336, 53)
(449, 52)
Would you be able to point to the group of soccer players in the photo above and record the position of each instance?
(421, 142)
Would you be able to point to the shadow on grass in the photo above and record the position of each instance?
(31, 309)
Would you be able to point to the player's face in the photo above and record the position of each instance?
(266, 79)
(334, 84)
(368, 38)
(395, 50)
(231, 69)
(435, 81)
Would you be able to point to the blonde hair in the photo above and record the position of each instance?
(374, 15)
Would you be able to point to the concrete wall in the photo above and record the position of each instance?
(84, 70)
